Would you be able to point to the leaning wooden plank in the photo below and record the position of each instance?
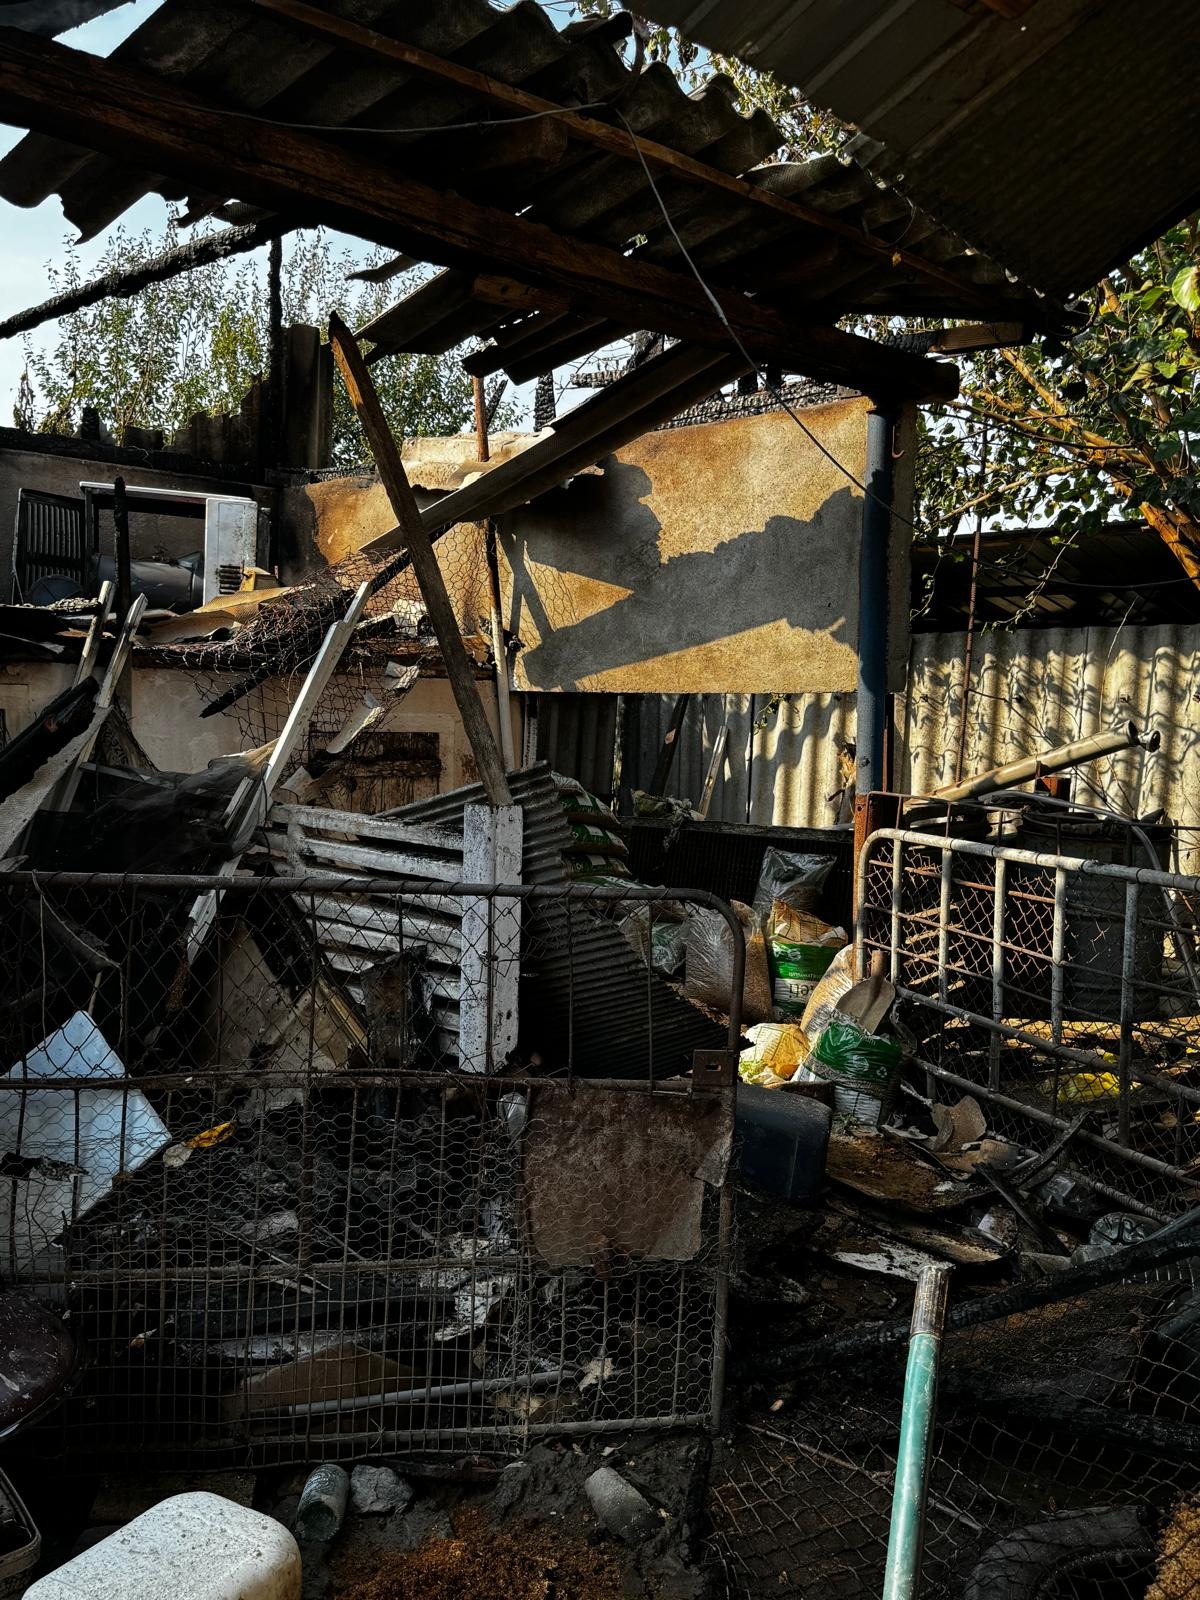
(91, 645)
(365, 400)
(253, 796)
(62, 796)
(18, 809)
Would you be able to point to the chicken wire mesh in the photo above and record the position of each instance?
(1064, 995)
(1065, 1461)
(283, 1221)
(251, 670)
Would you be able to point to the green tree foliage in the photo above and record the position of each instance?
(196, 343)
(1100, 426)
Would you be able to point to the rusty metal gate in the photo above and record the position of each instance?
(285, 1221)
(1063, 993)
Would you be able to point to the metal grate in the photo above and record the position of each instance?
(50, 541)
(283, 1222)
(1063, 992)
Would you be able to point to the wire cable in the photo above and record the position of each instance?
(771, 388)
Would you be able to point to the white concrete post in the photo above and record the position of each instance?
(491, 938)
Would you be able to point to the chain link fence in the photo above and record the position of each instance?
(1066, 1457)
(284, 1222)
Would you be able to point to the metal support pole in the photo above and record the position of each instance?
(123, 566)
(906, 1537)
(873, 599)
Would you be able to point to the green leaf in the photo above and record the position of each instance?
(1185, 287)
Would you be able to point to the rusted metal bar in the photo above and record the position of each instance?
(1147, 876)
(1058, 760)
(1001, 884)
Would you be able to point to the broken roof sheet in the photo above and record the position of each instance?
(52, 17)
(1051, 133)
(1033, 578)
(841, 242)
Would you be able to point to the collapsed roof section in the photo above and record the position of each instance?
(523, 158)
(1052, 134)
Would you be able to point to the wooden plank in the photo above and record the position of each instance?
(252, 797)
(18, 809)
(445, 945)
(391, 912)
(317, 820)
(159, 269)
(621, 412)
(63, 794)
(441, 984)
(363, 397)
(618, 142)
(95, 633)
(491, 938)
(162, 128)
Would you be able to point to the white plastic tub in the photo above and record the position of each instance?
(191, 1547)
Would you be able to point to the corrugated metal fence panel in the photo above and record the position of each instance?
(1037, 688)
(706, 715)
(576, 734)
(1033, 689)
(781, 764)
(796, 776)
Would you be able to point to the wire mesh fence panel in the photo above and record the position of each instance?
(1063, 993)
(1066, 1457)
(287, 1213)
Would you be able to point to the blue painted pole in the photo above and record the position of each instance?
(906, 1537)
(873, 598)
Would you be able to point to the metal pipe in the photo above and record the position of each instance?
(906, 1536)
(873, 599)
(463, 1390)
(976, 847)
(1066, 755)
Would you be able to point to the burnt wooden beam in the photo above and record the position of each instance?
(159, 269)
(615, 141)
(162, 128)
(365, 400)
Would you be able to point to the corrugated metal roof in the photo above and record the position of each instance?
(1037, 578)
(586, 996)
(52, 17)
(1059, 140)
(233, 56)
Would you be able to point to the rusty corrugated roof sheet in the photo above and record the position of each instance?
(235, 56)
(1060, 137)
